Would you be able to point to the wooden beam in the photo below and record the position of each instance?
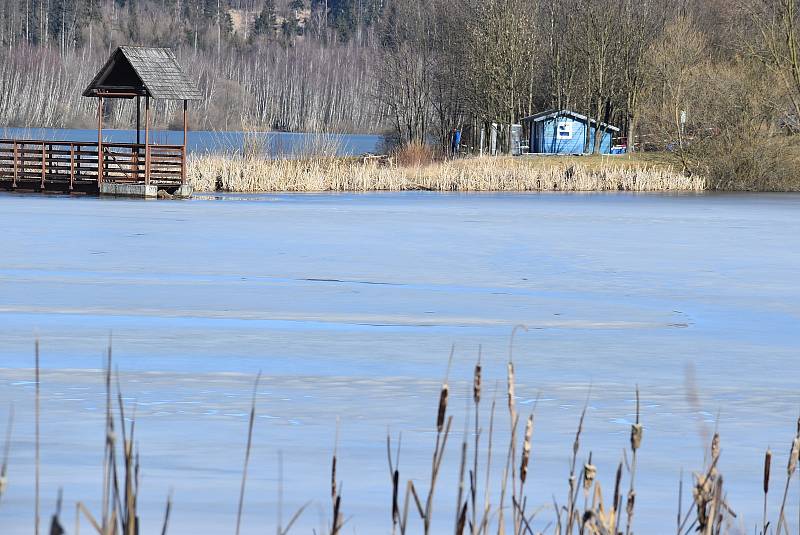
(147, 140)
(138, 133)
(71, 167)
(183, 153)
(44, 164)
(138, 119)
(16, 170)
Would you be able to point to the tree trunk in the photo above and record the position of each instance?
(598, 130)
(632, 120)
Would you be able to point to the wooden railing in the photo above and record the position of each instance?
(67, 165)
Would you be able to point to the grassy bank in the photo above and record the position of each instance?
(237, 173)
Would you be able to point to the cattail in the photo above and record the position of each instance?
(476, 384)
(511, 386)
(617, 483)
(702, 494)
(715, 451)
(589, 474)
(793, 456)
(767, 466)
(526, 450)
(442, 407)
(636, 436)
(631, 501)
(333, 477)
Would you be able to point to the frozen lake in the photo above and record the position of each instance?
(349, 305)
(202, 141)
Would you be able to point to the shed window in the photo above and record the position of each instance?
(564, 130)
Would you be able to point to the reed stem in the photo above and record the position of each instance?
(247, 454)
(37, 452)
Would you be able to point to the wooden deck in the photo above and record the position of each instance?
(72, 167)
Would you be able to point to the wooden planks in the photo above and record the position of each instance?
(73, 166)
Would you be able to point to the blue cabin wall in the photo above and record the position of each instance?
(544, 138)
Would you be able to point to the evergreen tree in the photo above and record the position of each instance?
(61, 14)
(291, 24)
(266, 21)
(342, 17)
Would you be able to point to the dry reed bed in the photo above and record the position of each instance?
(236, 173)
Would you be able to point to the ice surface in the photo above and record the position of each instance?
(349, 305)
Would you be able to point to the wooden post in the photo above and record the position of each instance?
(138, 119)
(147, 140)
(16, 170)
(44, 164)
(99, 142)
(138, 136)
(71, 166)
(183, 153)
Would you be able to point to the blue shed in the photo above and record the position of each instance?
(564, 132)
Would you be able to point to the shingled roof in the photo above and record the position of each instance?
(552, 114)
(144, 71)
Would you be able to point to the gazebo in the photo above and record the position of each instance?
(133, 169)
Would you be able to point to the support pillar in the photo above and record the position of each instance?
(99, 141)
(138, 136)
(147, 140)
(183, 153)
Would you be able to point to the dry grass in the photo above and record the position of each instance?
(237, 173)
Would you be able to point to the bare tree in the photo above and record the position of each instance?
(676, 62)
(599, 47)
(406, 67)
(641, 22)
(777, 46)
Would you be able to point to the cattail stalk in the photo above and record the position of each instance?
(394, 476)
(460, 502)
(572, 486)
(37, 411)
(476, 400)
(509, 468)
(526, 451)
(767, 468)
(109, 448)
(6, 452)
(443, 423)
(336, 496)
(250, 426)
(167, 512)
(589, 475)
(523, 472)
(790, 470)
(442, 411)
(636, 443)
(486, 503)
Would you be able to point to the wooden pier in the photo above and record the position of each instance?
(100, 167)
(72, 167)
